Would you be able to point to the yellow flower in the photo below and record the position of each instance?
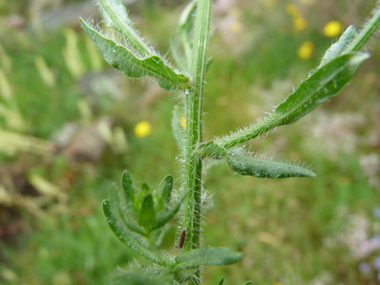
(182, 121)
(299, 23)
(277, 283)
(305, 50)
(293, 10)
(143, 129)
(332, 29)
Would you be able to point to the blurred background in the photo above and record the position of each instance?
(69, 124)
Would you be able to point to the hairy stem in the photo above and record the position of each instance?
(366, 33)
(194, 102)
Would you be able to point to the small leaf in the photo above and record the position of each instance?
(123, 234)
(140, 197)
(124, 60)
(186, 23)
(248, 283)
(221, 282)
(127, 213)
(175, 49)
(164, 216)
(165, 188)
(337, 48)
(145, 188)
(147, 213)
(161, 234)
(209, 62)
(178, 131)
(246, 165)
(127, 184)
(208, 256)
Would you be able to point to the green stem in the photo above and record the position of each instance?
(194, 102)
(366, 33)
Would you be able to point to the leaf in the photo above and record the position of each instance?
(175, 49)
(186, 20)
(165, 216)
(208, 256)
(319, 87)
(221, 282)
(144, 276)
(116, 17)
(127, 184)
(127, 213)
(123, 234)
(248, 283)
(246, 165)
(164, 189)
(186, 23)
(161, 234)
(337, 48)
(178, 131)
(124, 60)
(147, 213)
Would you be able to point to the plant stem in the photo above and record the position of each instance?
(194, 102)
(366, 33)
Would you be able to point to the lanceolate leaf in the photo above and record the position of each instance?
(337, 48)
(134, 66)
(186, 23)
(126, 210)
(246, 165)
(165, 216)
(126, 237)
(165, 188)
(147, 213)
(208, 256)
(319, 87)
(127, 184)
